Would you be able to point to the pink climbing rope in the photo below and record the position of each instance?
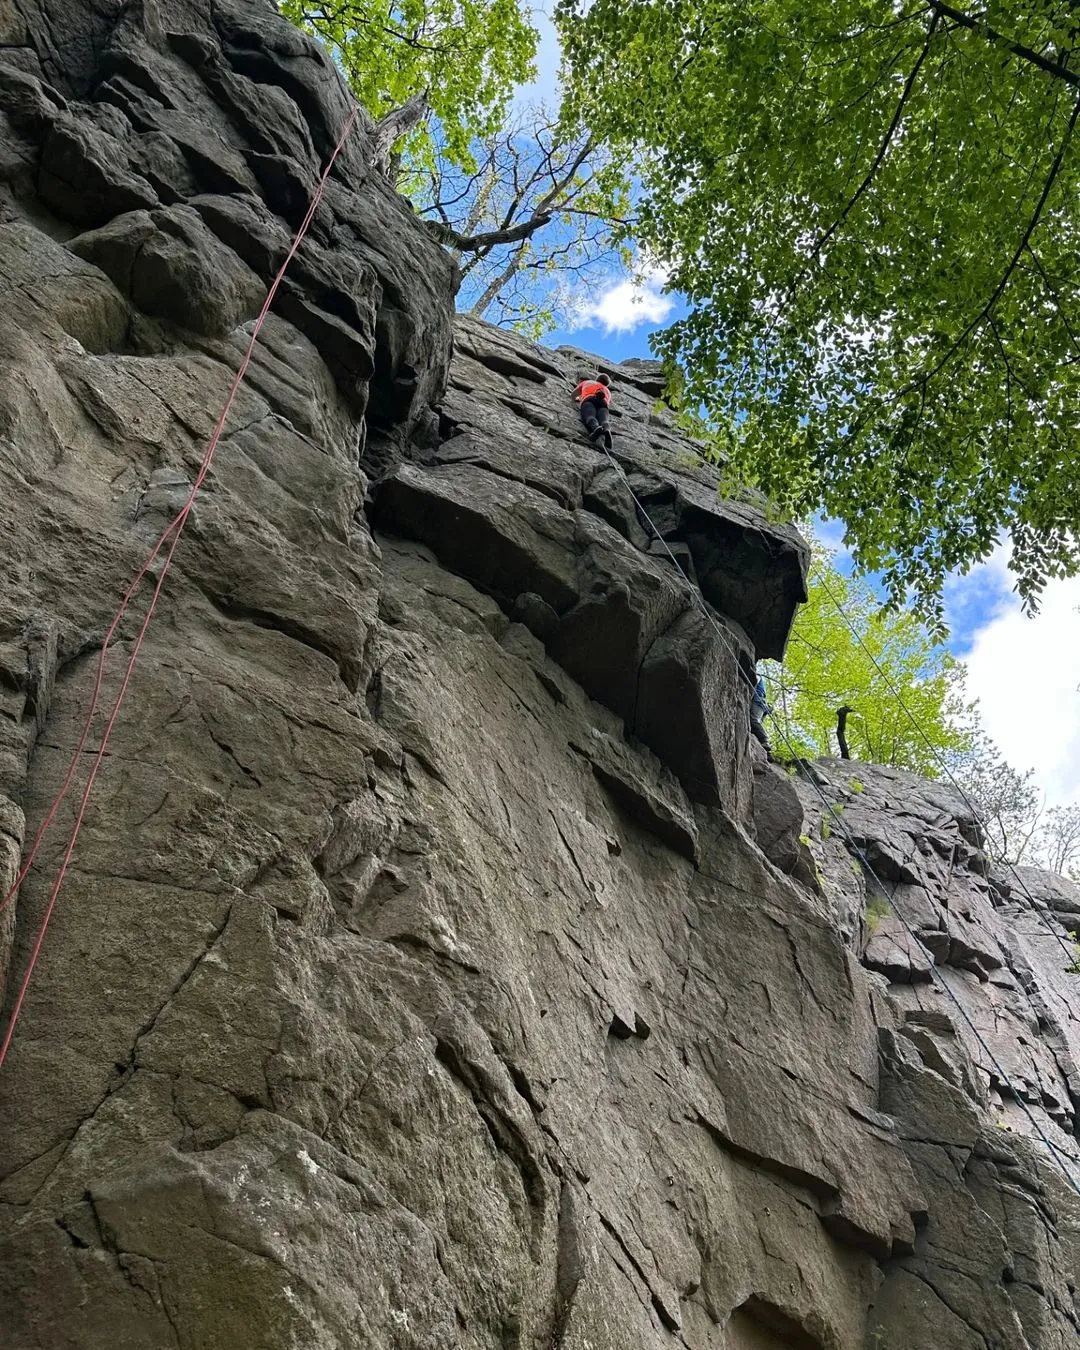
(171, 535)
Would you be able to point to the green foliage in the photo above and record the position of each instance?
(834, 815)
(855, 786)
(827, 666)
(467, 54)
(1074, 966)
(873, 208)
(877, 907)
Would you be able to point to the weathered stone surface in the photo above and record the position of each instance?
(645, 791)
(982, 1075)
(729, 541)
(417, 980)
(779, 823)
(168, 264)
(689, 695)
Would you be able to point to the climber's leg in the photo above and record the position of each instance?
(590, 419)
(602, 419)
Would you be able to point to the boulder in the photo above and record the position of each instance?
(779, 824)
(169, 265)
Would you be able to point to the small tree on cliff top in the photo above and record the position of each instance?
(827, 667)
(1005, 800)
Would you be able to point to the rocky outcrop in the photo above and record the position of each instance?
(979, 1036)
(580, 549)
(438, 964)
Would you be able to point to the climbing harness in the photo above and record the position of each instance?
(836, 821)
(171, 535)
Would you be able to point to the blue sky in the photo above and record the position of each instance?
(1022, 669)
(619, 315)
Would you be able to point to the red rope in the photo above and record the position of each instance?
(174, 530)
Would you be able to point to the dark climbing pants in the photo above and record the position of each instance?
(757, 728)
(594, 416)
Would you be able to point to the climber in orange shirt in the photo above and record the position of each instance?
(594, 397)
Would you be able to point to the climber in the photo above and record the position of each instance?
(594, 396)
(759, 710)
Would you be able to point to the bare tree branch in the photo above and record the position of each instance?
(489, 238)
(533, 181)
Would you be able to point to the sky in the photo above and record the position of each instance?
(1023, 669)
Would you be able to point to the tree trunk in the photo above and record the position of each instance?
(390, 129)
(497, 284)
(841, 731)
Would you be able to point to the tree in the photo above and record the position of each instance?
(872, 207)
(829, 668)
(1059, 841)
(540, 207)
(868, 675)
(465, 55)
(1005, 800)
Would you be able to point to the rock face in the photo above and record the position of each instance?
(979, 1056)
(438, 966)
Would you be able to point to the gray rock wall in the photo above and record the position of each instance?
(438, 966)
(979, 1040)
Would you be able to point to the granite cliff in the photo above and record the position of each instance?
(439, 965)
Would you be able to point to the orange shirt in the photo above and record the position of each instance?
(590, 388)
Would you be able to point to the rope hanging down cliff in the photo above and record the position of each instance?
(837, 822)
(170, 536)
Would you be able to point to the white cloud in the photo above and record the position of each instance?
(622, 306)
(1025, 673)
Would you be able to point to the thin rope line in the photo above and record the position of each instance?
(935, 972)
(175, 529)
